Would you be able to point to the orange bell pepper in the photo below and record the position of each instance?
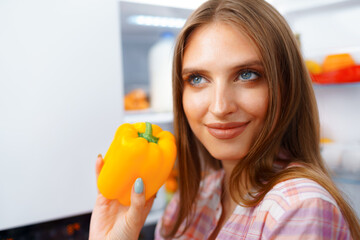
(138, 150)
(336, 62)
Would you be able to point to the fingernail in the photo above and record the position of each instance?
(139, 185)
(99, 155)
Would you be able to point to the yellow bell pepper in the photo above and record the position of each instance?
(138, 150)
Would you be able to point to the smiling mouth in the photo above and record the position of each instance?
(226, 130)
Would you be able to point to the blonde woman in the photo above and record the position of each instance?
(247, 129)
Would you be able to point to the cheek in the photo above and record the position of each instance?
(260, 107)
(194, 104)
(255, 103)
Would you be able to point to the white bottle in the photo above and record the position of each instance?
(160, 73)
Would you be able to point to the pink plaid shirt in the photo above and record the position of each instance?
(294, 209)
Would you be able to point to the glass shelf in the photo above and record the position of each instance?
(148, 116)
(345, 85)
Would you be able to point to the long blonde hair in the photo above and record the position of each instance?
(292, 124)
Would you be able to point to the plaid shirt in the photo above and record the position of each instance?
(294, 209)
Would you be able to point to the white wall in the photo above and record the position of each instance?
(60, 104)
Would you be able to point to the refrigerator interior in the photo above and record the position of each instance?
(324, 28)
(329, 27)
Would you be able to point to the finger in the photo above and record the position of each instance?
(139, 207)
(99, 164)
(149, 204)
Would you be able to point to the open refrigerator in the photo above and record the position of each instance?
(324, 28)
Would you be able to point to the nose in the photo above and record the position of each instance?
(223, 100)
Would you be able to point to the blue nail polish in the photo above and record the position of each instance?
(139, 186)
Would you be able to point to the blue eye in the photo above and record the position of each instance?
(196, 80)
(248, 75)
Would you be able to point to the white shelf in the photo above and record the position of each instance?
(148, 116)
(337, 85)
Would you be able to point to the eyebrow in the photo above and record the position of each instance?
(246, 64)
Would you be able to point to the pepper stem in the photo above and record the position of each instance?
(148, 133)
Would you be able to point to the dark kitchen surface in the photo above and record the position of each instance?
(72, 228)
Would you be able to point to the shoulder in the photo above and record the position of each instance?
(304, 207)
(296, 194)
(294, 191)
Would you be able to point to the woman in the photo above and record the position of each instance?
(247, 130)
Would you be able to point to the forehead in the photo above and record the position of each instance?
(219, 41)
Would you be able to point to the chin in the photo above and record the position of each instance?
(226, 150)
(224, 155)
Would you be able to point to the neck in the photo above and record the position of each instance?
(228, 167)
(227, 201)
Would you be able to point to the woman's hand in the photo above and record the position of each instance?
(111, 220)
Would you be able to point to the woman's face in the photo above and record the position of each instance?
(225, 94)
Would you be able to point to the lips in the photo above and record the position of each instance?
(226, 130)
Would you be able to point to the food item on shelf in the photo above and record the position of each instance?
(313, 67)
(335, 62)
(136, 100)
(160, 64)
(326, 140)
(337, 68)
(346, 75)
(171, 185)
(139, 150)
